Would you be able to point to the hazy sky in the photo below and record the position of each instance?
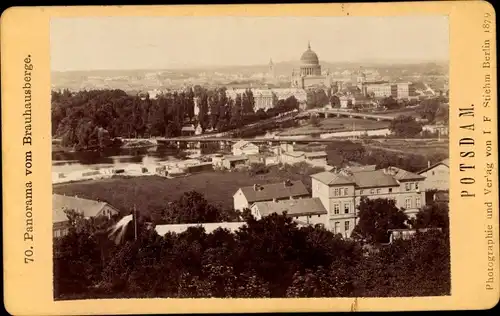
(180, 42)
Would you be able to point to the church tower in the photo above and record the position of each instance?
(272, 73)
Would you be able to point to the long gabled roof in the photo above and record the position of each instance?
(209, 227)
(242, 143)
(403, 175)
(60, 203)
(268, 192)
(300, 207)
(445, 162)
(332, 178)
(367, 178)
(373, 179)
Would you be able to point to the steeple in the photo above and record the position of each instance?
(309, 45)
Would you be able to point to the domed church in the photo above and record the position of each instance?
(310, 74)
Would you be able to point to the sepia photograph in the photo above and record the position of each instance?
(250, 157)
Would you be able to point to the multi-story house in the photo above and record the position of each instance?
(437, 176)
(341, 192)
(287, 190)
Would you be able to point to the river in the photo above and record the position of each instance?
(75, 161)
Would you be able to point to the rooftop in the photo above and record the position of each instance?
(209, 227)
(367, 177)
(403, 175)
(235, 158)
(331, 178)
(315, 154)
(280, 190)
(60, 203)
(241, 144)
(300, 207)
(445, 162)
(375, 178)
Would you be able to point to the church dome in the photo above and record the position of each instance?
(309, 57)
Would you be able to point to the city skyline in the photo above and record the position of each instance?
(135, 42)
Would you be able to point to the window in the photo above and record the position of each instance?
(390, 190)
(346, 226)
(336, 228)
(372, 191)
(345, 191)
(433, 173)
(416, 185)
(378, 191)
(347, 208)
(408, 186)
(408, 203)
(336, 208)
(361, 192)
(417, 202)
(336, 192)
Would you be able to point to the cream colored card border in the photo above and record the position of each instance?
(28, 287)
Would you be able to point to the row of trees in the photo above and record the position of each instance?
(78, 118)
(270, 257)
(342, 152)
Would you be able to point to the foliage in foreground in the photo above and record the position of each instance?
(271, 257)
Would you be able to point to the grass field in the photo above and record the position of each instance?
(419, 147)
(334, 124)
(152, 192)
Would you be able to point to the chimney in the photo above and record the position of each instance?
(275, 200)
(428, 163)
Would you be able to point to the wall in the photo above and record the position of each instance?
(309, 219)
(239, 201)
(437, 178)
(317, 160)
(249, 149)
(60, 229)
(313, 219)
(351, 199)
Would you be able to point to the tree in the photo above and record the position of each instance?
(389, 103)
(314, 121)
(405, 126)
(376, 217)
(433, 216)
(236, 112)
(428, 109)
(335, 101)
(203, 116)
(247, 102)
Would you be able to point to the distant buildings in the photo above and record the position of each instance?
(440, 129)
(88, 208)
(286, 190)
(244, 148)
(231, 162)
(314, 158)
(309, 74)
(188, 130)
(267, 98)
(437, 176)
(382, 89)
